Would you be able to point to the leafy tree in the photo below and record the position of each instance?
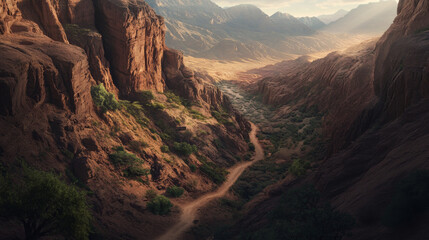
(160, 205)
(45, 205)
(299, 167)
(165, 149)
(175, 191)
(103, 99)
(123, 158)
(184, 148)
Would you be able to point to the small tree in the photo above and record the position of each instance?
(184, 148)
(160, 205)
(103, 99)
(46, 206)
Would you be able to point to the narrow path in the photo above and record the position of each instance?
(190, 210)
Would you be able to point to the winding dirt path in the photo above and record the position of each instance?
(190, 210)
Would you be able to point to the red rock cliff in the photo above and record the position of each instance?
(133, 37)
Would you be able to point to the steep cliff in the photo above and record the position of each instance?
(134, 39)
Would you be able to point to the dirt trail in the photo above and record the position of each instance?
(190, 210)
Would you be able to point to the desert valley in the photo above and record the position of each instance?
(188, 119)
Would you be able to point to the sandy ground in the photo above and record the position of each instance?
(189, 211)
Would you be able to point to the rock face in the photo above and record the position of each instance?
(185, 83)
(38, 70)
(401, 70)
(134, 39)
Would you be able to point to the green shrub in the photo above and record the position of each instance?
(137, 146)
(175, 191)
(122, 158)
(409, 201)
(165, 149)
(137, 111)
(222, 117)
(145, 97)
(135, 171)
(45, 205)
(299, 167)
(248, 157)
(251, 147)
(173, 98)
(184, 148)
(216, 174)
(150, 194)
(193, 167)
(196, 115)
(156, 106)
(103, 99)
(160, 205)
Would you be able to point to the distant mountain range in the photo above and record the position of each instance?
(201, 28)
(326, 19)
(371, 18)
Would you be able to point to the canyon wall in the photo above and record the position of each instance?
(390, 133)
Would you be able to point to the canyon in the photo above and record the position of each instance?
(91, 92)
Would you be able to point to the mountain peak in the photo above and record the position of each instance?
(280, 15)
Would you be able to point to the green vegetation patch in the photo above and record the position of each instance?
(299, 167)
(215, 173)
(120, 157)
(175, 191)
(184, 148)
(160, 205)
(103, 99)
(257, 177)
(45, 205)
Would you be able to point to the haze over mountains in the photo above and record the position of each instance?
(203, 29)
(371, 18)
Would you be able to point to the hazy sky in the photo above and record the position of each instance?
(298, 8)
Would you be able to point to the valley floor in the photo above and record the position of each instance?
(190, 211)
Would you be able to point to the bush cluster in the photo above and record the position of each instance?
(160, 205)
(184, 148)
(175, 191)
(103, 99)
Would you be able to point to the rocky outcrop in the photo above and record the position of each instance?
(36, 70)
(133, 37)
(92, 42)
(192, 86)
(48, 19)
(186, 84)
